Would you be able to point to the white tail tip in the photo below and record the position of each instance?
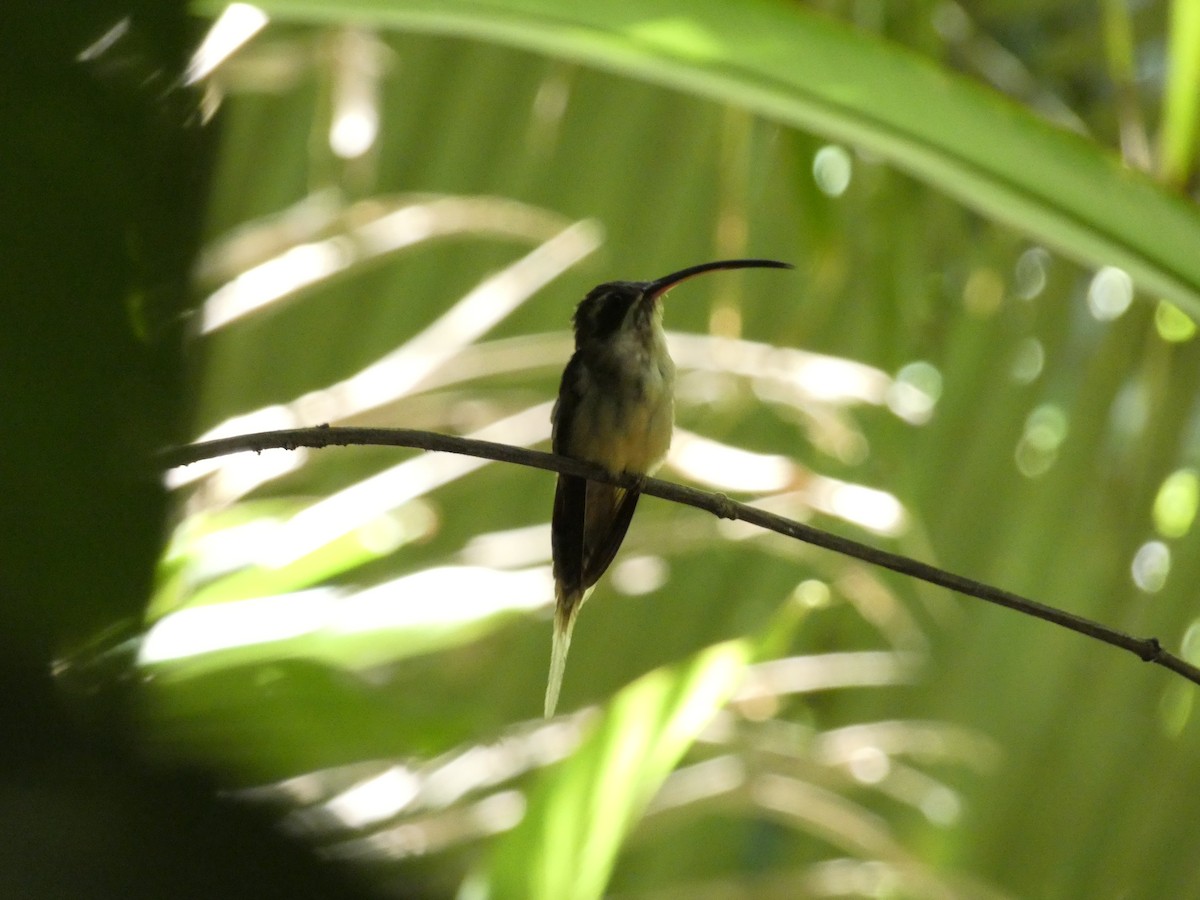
(558, 660)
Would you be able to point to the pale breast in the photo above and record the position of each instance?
(627, 411)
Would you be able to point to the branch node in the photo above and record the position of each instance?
(723, 507)
(1151, 651)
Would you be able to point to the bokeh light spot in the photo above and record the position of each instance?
(812, 594)
(1173, 324)
(915, 392)
(1028, 361)
(1031, 271)
(1176, 502)
(832, 168)
(1110, 293)
(1045, 430)
(1151, 565)
(983, 292)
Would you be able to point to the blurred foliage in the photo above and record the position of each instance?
(105, 168)
(408, 198)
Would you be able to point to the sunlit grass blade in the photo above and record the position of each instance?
(576, 822)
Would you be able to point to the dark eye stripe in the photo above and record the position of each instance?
(611, 313)
(603, 310)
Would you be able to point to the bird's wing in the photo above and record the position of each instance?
(590, 518)
(567, 536)
(606, 520)
(589, 523)
(570, 496)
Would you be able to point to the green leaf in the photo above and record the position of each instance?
(800, 68)
(1181, 106)
(577, 820)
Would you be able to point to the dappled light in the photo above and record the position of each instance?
(807, 376)
(236, 24)
(443, 596)
(359, 63)
(246, 623)
(225, 479)
(804, 674)
(868, 507)
(384, 227)
(435, 833)
(106, 41)
(375, 799)
(421, 807)
(353, 507)
(438, 599)
(637, 575)
(395, 375)
(295, 268)
(722, 467)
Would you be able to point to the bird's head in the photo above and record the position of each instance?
(617, 306)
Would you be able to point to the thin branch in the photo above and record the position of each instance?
(1147, 649)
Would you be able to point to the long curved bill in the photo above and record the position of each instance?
(657, 288)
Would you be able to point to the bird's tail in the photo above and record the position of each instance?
(564, 623)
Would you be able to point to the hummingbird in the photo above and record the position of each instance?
(615, 408)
